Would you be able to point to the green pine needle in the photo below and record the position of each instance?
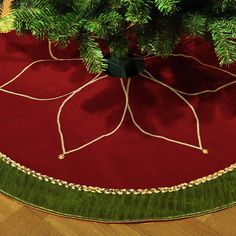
(92, 55)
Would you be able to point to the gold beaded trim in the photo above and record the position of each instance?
(93, 189)
(6, 24)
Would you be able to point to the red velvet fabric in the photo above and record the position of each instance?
(128, 159)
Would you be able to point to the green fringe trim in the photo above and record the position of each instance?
(212, 196)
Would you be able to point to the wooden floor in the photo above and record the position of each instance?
(19, 220)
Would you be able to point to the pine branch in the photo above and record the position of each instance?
(106, 24)
(157, 25)
(167, 7)
(92, 55)
(194, 24)
(31, 19)
(162, 38)
(162, 43)
(118, 45)
(86, 7)
(138, 12)
(228, 5)
(223, 35)
(63, 28)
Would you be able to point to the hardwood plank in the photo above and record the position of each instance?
(71, 227)
(7, 208)
(223, 222)
(24, 222)
(39, 213)
(176, 228)
(203, 218)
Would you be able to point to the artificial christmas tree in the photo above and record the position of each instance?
(154, 27)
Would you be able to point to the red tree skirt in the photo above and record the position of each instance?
(128, 159)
